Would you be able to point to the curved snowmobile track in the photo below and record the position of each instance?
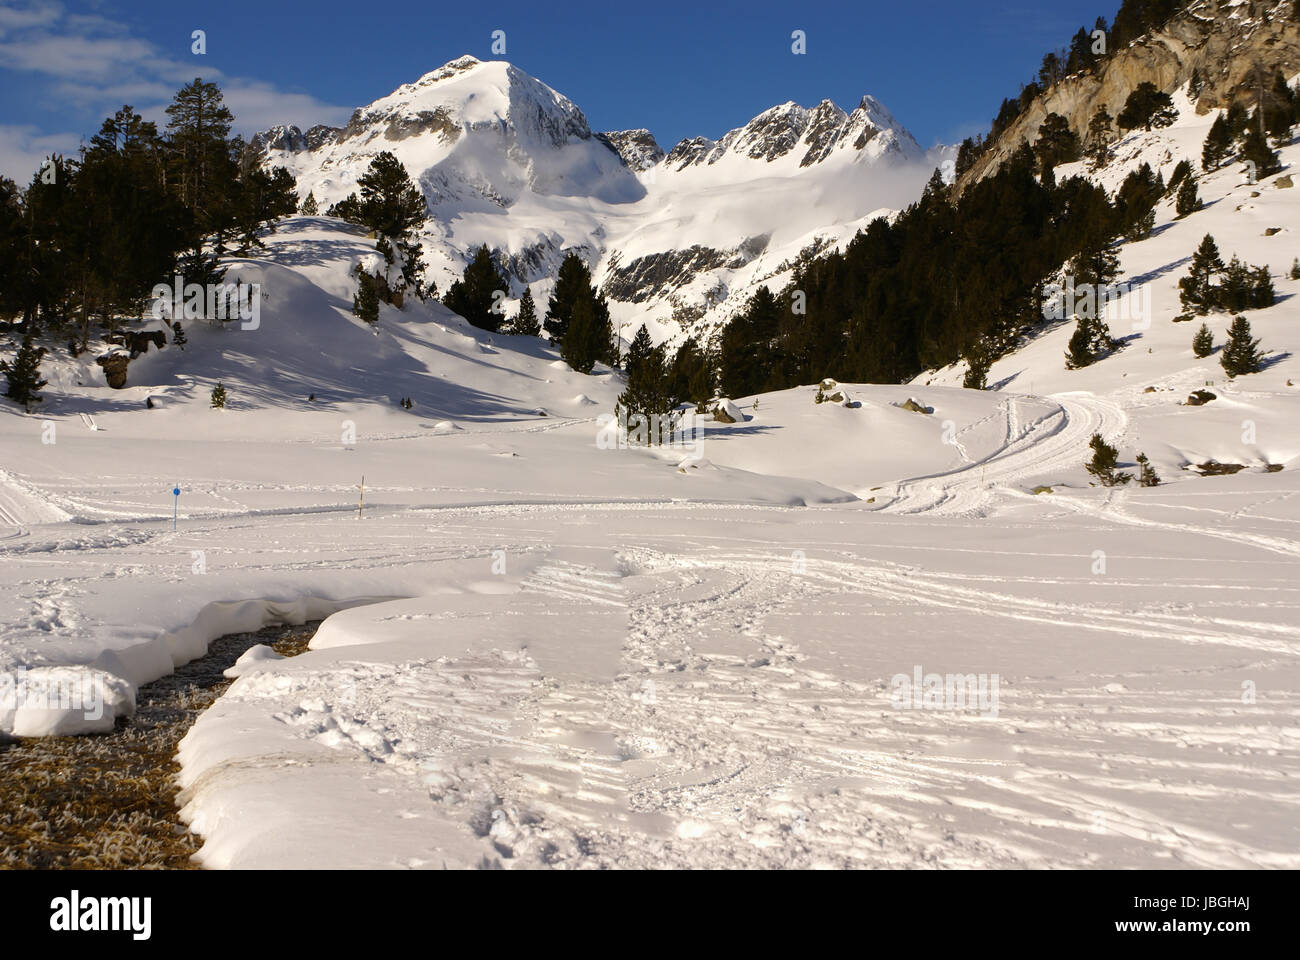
(1034, 447)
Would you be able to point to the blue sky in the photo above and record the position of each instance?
(679, 69)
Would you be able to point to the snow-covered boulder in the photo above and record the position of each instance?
(723, 410)
(830, 391)
(115, 363)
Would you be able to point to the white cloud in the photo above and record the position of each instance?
(22, 148)
(32, 15)
(95, 65)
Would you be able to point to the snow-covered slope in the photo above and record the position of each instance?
(1252, 421)
(506, 161)
(543, 652)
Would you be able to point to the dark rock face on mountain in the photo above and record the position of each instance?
(658, 273)
(291, 139)
(638, 149)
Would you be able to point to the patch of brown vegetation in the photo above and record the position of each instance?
(109, 801)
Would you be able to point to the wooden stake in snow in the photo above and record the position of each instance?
(362, 502)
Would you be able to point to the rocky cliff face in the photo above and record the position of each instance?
(1221, 40)
(811, 135)
(638, 149)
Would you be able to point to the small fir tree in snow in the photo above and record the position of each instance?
(478, 295)
(1105, 463)
(1261, 292)
(1203, 342)
(979, 359)
(365, 303)
(647, 390)
(526, 322)
(1147, 476)
(1090, 341)
(23, 373)
(1218, 144)
(178, 335)
(1182, 170)
(690, 375)
(1295, 269)
(1197, 291)
(1237, 289)
(309, 208)
(218, 397)
(1187, 202)
(1241, 354)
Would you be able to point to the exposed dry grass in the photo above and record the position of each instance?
(109, 801)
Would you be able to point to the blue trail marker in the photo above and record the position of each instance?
(176, 498)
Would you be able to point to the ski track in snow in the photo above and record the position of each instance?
(749, 757)
(1035, 446)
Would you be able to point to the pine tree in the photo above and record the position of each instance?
(1236, 292)
(1182, 169)
(309, 208)
(1105, 462)
(1241, 354)
(1187, 202)
(1090, 341)
(259, 198)
(1295, 264)
(748, 347)
(178, 335)
(218, 397)
(1147, 477)
(1203, 342)
(1279, 106)
(1218, 143)
(479, 295)
(690, 377)
(1096, 263)
(525, 322)
(1056, 144)
(365, 303)
(580, 348)
(647, 392)
(1135, 202)
(1255, 149)
(979, 358)
(23, 373)
(394, 209)
(1197, 291)
(205, 270)
(1146, 107)
(201, 165)
(1262, 293)
(1099, 135)
(572, 283)
(1237, 120)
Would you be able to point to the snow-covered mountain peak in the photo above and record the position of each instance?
(666, 235)
(809, 136)
(468, 94)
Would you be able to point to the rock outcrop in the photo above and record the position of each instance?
(1222, 41)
